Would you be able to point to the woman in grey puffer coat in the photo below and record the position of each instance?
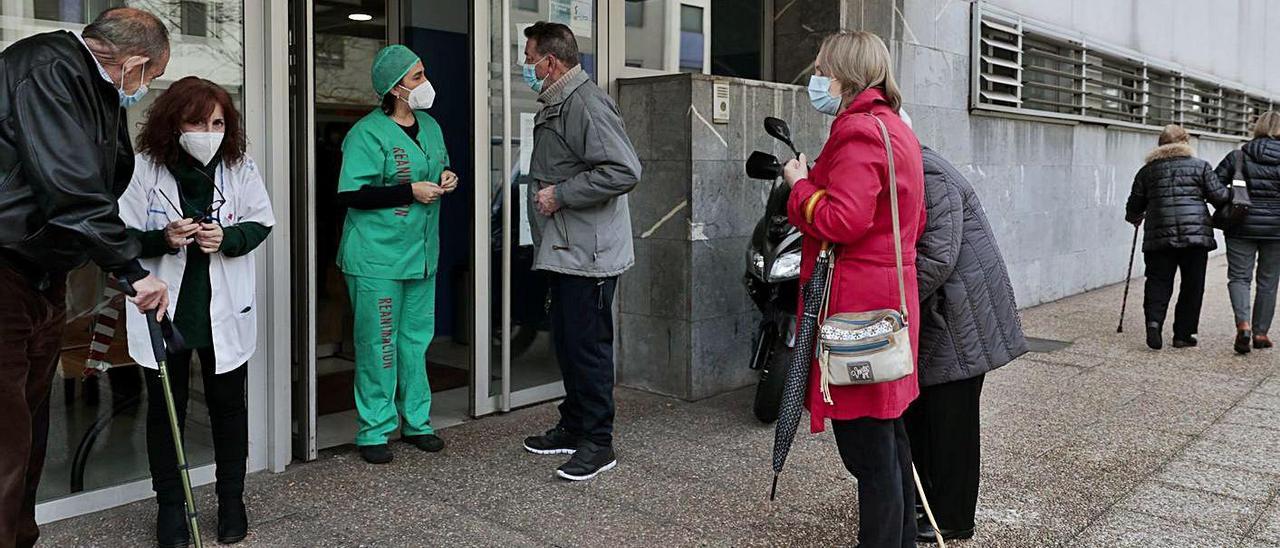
(969, 326)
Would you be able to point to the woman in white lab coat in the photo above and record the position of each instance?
(200, 208)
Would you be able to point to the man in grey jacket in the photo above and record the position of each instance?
(969, 326)
(584, 166)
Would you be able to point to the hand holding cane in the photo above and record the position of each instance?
(158, 330)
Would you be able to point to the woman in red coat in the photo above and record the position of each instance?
(854, 82)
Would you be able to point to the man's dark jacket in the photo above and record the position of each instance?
(65, 159)
(1169, 195)
(969, 324)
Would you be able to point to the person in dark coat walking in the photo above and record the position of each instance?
(1256, 239)
(969, 326)
(1169, 195)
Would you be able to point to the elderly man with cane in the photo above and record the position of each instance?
(65, 158)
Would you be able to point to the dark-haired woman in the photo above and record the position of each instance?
(199, 206)
(394, 171)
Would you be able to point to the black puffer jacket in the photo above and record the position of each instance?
(1171, 192)
(65, 159)
(1262, 172)
(969, 321)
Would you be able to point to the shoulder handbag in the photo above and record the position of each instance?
(1235, 211)
(866, 347)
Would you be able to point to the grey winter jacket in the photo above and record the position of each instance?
(581, 147)
(969, 321)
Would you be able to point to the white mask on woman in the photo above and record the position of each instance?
(421, 97)
(202, 146)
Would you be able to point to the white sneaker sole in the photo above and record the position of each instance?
(550, 451)
(571, 477)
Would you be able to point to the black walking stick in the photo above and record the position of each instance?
(1128, 276)
(162, 332)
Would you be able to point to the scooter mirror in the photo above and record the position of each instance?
(762, 165)
(779, 130)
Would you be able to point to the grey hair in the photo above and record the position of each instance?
(554, 39)
(130, 32)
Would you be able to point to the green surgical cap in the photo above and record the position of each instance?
(390, 66)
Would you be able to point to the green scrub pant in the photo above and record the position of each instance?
(394, 324)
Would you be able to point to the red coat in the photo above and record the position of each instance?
(856, 216)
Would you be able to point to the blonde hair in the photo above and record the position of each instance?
(1174, 133)
(1268, 125)
(859, 61)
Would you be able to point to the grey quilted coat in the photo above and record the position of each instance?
(969, 321)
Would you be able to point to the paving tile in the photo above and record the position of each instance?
(1225, 515)
(1268, 527)
(1123, 528)
(1260, 400)
(1250, 486)
(1253, 416)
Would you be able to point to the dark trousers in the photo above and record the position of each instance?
(582, 325)
(878, 453)
(1161, 266)
(228, 418)
(943, 424)
(31, 324)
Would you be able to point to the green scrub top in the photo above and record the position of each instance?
(400, 243)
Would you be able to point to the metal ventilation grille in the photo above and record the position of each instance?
(1025, 67)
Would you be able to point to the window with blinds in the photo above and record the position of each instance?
(1028, 69)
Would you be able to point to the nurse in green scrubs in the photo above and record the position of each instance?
(394, 173)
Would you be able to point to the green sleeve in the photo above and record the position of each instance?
(153, 244)
(362, 160)
(241, 239)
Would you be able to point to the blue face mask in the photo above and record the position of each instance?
(531, 75)
(126, 100)
(820, 95)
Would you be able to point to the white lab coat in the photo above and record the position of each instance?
(232, 313)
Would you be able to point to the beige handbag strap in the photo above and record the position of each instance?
(897, 228)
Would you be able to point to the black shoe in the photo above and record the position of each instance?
(430, 443)
(376, 454)
(1242, 342)
(233, 521)
(1155, 339)
(171, 526)
(924, 533)
(1189, 342)
(557, 441)
(587, 462)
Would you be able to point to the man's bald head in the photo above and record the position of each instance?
(130, 32)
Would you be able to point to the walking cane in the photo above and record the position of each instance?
(937, 533)
(1128, 276)
(157, 329)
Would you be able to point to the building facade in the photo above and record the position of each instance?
(1049, 109)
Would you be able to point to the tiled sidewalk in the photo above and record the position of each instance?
(1102, 443)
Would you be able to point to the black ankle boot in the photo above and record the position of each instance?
(233, 521)
(1155, 336)
(171, 526)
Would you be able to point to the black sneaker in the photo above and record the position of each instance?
(233, 520)
(557, 441)
(1155, 339)
(430, 443)
(587, 462)
(375, 454)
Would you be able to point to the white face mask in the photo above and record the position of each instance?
(202, 146)
(421, 97)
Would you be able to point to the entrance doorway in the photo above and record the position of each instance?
(487, 355)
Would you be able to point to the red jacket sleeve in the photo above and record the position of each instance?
(854, 181)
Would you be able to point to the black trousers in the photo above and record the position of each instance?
(31, 325)
(1161, 266)
(943, 424)
(582, 326)
(228, 418)
(878, 453)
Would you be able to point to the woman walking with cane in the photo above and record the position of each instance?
(1256, 239)
(853, 210)
(200, 208)
(1169, 194)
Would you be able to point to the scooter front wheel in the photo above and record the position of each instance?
(773, 377)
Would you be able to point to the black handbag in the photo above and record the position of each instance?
(1237, 207)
